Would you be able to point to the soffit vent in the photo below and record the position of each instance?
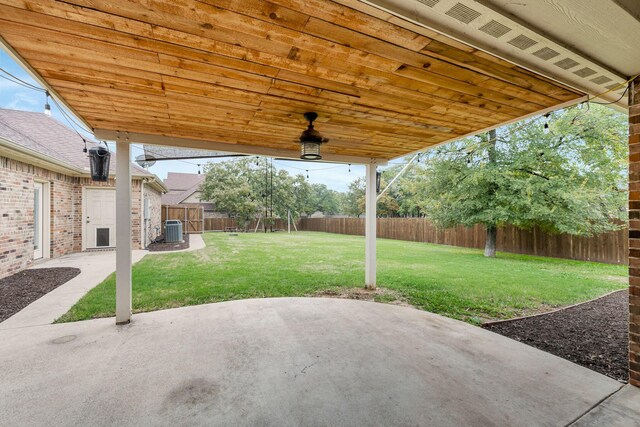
(601, 80)
(584, 72)
(462, 13)
(429, 3)
(495, 29)
(567, 63)
(546, 53)
(522, 42)
(531, 48)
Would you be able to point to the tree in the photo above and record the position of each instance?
(231, 187)
(355, 200)
(322, 198)
(242, 188)
(570, 180)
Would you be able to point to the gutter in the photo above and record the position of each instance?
(156, 183)
(27, 155)
(20, 153)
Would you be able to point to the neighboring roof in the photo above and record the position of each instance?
(43, 137)
(182, 181)
(181, 186)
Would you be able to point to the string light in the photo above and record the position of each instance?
(546, 123)
(47, 107)
(198, 168)
(12, 78)
(257, 160)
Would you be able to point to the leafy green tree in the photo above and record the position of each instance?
(243, 190)
(355, 200)
(403, 192)
(301, 191)
(569, 180)
(231, 187)
(323, 199)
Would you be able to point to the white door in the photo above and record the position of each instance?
(100, 218)
(38, 219)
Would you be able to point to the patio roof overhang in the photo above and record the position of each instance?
(590, 45)
(237, 76)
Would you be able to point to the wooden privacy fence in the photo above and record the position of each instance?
(192, 217)
(229, 224)
(609, 247)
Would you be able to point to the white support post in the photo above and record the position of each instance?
(370, 227)
(123, 232)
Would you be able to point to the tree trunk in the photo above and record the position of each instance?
(490, 245)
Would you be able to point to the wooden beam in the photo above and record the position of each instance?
(242, 73)
(141, 138)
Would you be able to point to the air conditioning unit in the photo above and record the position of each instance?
(173, 231)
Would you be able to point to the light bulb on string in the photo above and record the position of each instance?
(307, 173)
(545, 128)
(349, 167)
(257, 160)
(47, 107)
(198, 169)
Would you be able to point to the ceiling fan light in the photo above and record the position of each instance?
(310, 150)
(310, 140)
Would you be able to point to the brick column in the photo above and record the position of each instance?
(634, 232)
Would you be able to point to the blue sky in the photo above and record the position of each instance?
(16, 97)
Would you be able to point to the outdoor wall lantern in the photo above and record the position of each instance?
(99, 158)
(310, 140)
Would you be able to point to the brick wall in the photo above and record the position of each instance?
(16, 216)
(153, 225)
(634, 232)
(65, 211)
(136, 214)
(16, 213)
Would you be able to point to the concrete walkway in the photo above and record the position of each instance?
(288, 362)
(620, 410)
(94, 268)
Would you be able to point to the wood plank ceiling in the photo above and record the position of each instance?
(244, 71)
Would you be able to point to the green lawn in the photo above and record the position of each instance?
(454, 282)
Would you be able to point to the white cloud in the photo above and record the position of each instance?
(22, 100)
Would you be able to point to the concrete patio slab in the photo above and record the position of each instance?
(620, 410)
(287, 362)
(94, 268)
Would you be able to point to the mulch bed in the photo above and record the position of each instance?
(594, 334)
(164, 246)
(21, 289)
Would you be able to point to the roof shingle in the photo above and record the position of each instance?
(49, 137)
